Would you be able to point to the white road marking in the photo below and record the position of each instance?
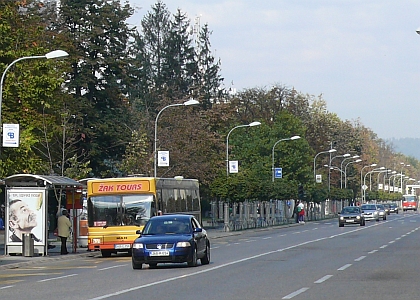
(300, 291)
(321, 280)
(55, 278)
(384, 246)
(117, 266)
(344, 267)
(373, 251)
(138, 287)
(266, 238)
(360, 258)
(6, 287)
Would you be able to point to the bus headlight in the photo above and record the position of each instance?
(96, 241)
(137, 246)
(183, 244)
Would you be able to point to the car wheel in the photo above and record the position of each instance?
(136, 266)
(206, 259)
(152, 265)
(106, 253)
(193, 262)
(340, 225)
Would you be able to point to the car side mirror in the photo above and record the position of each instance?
(138, 231)
(198, 229)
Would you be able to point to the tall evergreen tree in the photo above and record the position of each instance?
(99, 80)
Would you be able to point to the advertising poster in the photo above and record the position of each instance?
(25, 214)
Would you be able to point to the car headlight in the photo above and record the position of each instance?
(341, 218)
(183, 244)
(358, 217)
(137, 246)
(96, 241)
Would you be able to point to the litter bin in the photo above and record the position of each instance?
(28, 244)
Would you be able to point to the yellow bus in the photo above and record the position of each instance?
(118, 207)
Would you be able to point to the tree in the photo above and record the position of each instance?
(98, 80)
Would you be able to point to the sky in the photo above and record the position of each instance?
(362, 56)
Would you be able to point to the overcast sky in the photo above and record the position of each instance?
(363, 56)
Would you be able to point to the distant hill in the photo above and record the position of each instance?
(407, 146)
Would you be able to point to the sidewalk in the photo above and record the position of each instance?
(12, 262)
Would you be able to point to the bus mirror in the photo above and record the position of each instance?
(138, 232)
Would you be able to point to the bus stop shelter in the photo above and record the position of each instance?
(32, 205)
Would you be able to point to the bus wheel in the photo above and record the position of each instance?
(106, 253)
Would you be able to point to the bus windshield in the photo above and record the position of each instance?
(410, 198)
(119, 210)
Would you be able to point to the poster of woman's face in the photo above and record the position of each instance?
(25, 214)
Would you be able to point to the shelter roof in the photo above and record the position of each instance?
(41, 181)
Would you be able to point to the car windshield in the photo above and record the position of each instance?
(350, 210)
(369, 207)
(381, 206)
(161, 227)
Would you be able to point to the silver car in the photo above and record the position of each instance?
(382, 211)
(370, 212)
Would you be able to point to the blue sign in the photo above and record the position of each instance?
(278, 173)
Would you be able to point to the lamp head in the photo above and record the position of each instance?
(254, 124)
(358, 160)
(373, 165)
(56, 54)
(296, 137)
(418, 30)
(346, 155)
(191, 102)
(356, 156)
(332, 150)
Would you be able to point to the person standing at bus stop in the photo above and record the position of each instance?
(64, 229)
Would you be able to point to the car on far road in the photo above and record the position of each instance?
(382, 211)
(393, 208)
(351, 215)
(171, 239)
(370, 212)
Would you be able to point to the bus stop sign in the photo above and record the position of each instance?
(278, 172)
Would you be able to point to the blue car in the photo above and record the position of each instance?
(171, 239)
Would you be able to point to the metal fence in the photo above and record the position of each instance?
(255, 214)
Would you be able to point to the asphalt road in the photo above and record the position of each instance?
(311, 261)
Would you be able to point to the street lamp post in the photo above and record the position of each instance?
(49, 55)
(329, 151)
(402, 167)
(329, 171)
(341, 167)
(272, 154)
(227, 142)
(345, 170)
(361, 180)
(186, 103)
(370, 184)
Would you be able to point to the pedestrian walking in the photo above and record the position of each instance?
(64, 229)
(301, 213)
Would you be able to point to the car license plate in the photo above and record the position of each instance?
(159, 253)
(122, 246)
(350, 221)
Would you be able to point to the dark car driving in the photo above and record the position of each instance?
(351, 215)
(171, 239)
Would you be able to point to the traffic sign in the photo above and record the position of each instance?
(278, 172)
